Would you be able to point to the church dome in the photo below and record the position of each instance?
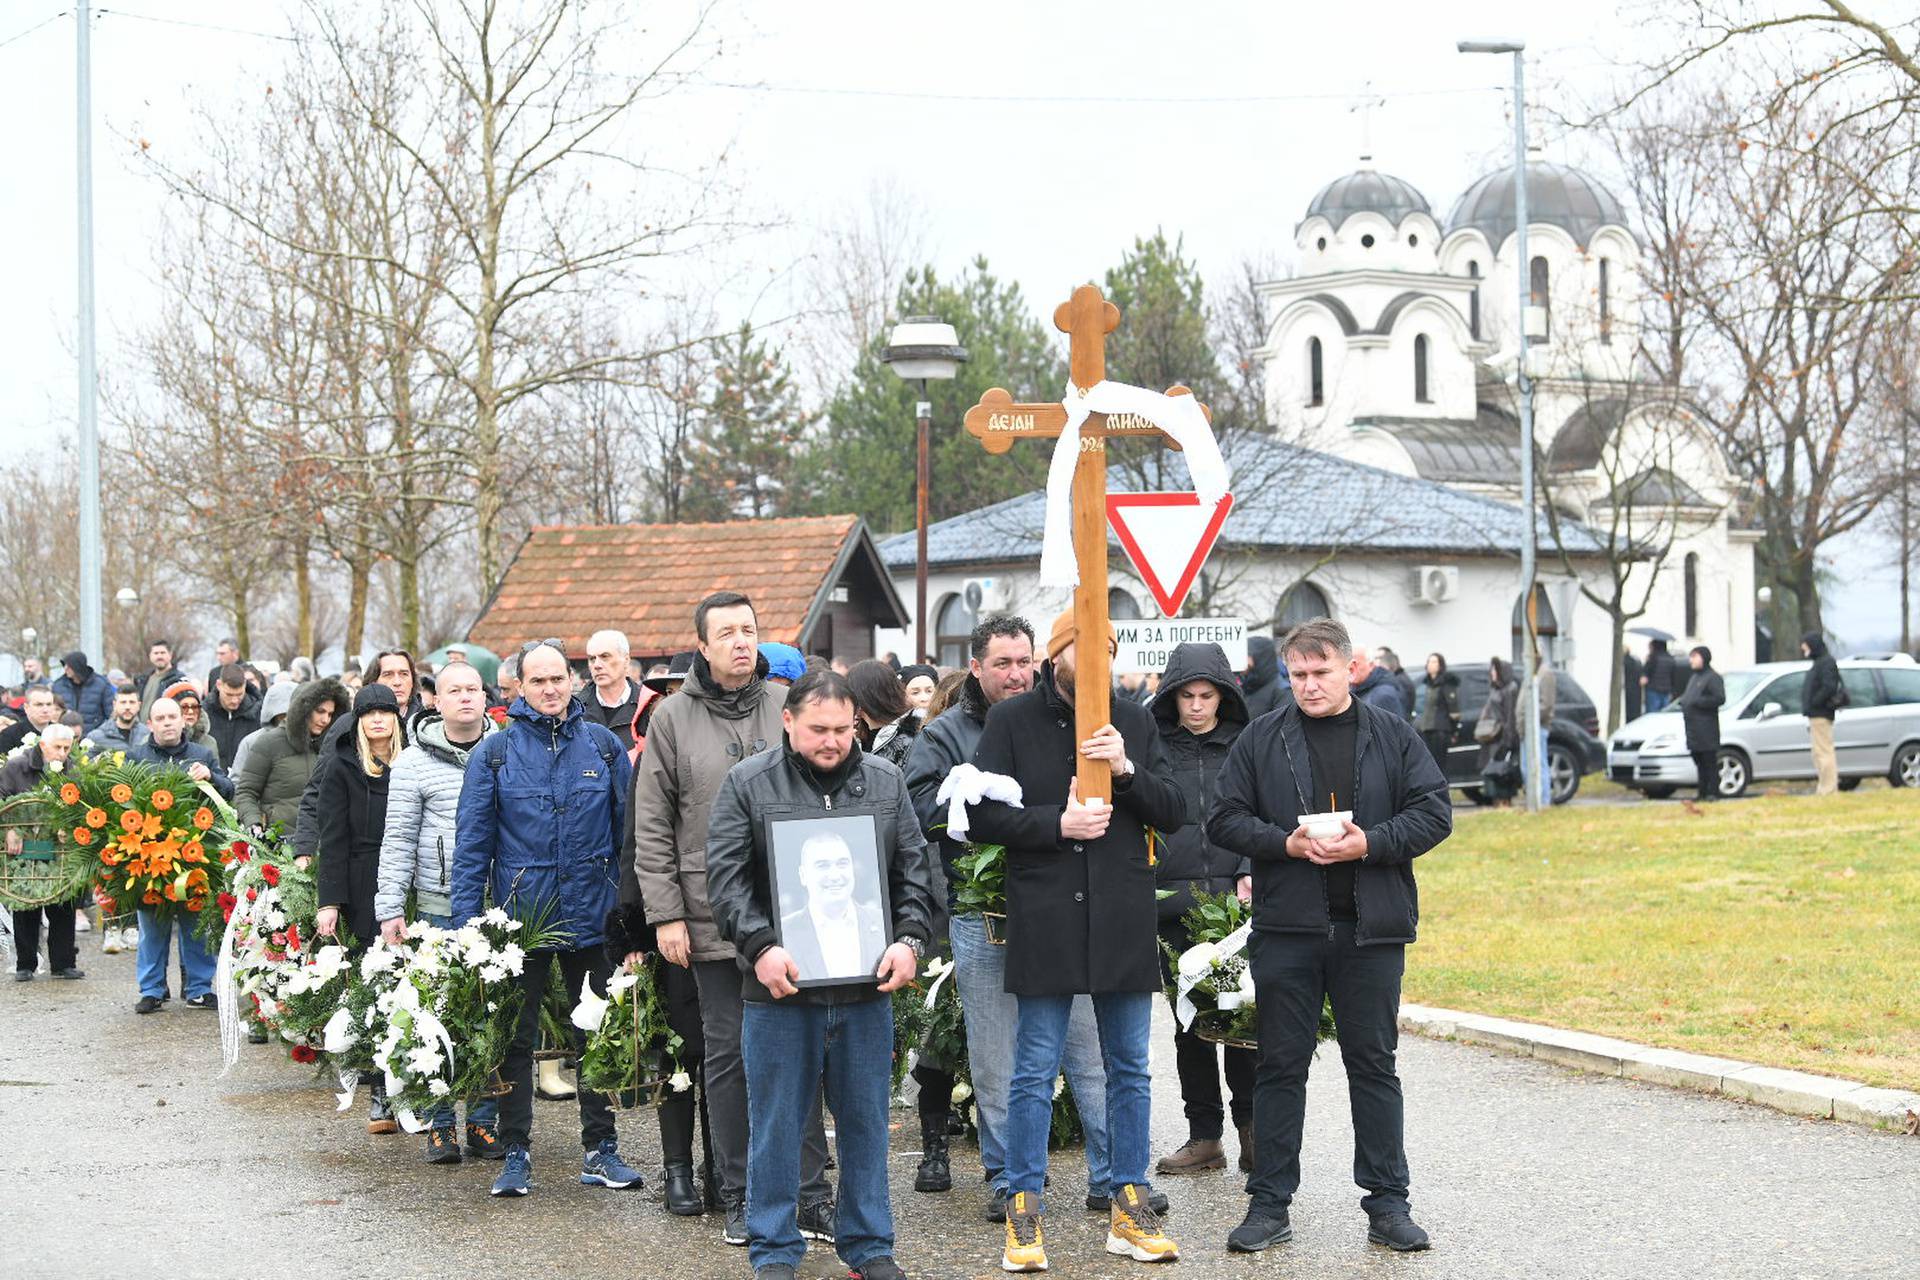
(1367, 191)
(1557, 195)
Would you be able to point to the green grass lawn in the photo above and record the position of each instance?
(1783, 930)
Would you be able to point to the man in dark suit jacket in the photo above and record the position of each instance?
(833, 935)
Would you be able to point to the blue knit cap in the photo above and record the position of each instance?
(783, 660)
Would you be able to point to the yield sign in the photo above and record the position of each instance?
(1167, 536)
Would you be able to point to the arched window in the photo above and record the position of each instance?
(1691, 577)
(1302, 602)
(1473, 301)
(1420, 368)
(1538, 294)
(1316, 373)
(953, 629)
(1606, 301)
(1121, 605)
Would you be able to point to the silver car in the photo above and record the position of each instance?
(1763, 736)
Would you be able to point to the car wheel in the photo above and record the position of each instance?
(1563, 772)
(1734, 774)
(1659, 793)
(1906, 766)
(1849, 784)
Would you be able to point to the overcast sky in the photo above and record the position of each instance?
(1043, 136)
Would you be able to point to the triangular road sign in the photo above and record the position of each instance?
(1167, 536)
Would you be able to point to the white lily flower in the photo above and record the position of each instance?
(1198, 958)
(680, 1082)
(961, 1092)
(625, 980)
(338, 1036)
(591, 1011)
(329, 962)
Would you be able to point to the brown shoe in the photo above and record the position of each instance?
(1246, 1148)
(1199, 1155)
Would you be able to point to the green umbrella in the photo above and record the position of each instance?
(484, 660)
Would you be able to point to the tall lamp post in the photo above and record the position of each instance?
(922, 348)
(1531, 764)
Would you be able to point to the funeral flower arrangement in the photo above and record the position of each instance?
(631, 1052)
(1212, 987)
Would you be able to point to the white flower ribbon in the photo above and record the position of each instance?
(226, 993)
(941, 975)
(1179, 416)
(966, 785)
(1225, 949)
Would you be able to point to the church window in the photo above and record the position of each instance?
(1420, 369)
(953, 628)
(1303, 602)
(1473, 302)
(1606, 301)
(1316, 373)
(1321, 244)
(1121, 605)
(1692, 585)
(1538, 293)
(1366, 241)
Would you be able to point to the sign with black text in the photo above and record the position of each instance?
(1147, 643)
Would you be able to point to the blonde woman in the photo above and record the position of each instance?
(351, 779)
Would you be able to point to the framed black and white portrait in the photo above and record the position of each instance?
(830, 896)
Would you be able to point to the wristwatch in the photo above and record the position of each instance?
(916, 946)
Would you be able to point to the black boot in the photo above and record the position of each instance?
(934, 1173)
(676, 1149)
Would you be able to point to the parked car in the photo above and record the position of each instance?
(1763, 736)
(1574, 748)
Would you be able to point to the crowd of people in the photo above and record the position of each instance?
(646, 813)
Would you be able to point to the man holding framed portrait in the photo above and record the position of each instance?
(819, 880)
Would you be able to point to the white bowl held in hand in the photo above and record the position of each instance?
(1326, 826)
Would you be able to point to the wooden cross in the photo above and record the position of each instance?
(997, 421)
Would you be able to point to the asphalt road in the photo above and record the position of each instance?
(123, 1153)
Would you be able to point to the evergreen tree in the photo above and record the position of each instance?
(863, 459)
(1162, 341)
(743, 458)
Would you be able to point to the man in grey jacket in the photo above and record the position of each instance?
(416, 853)
(724, 713)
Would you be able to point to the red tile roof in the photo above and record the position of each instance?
(570, 581)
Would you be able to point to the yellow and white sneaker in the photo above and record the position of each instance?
(1134, 1229)
(1026, 1243)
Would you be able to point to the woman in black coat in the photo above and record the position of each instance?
(1700, 705)
(352, 785)
(1440, 713)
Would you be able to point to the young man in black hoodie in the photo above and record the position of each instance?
(1331, 920)
(1201, 713)
(1821, 698)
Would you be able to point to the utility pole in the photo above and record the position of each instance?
(92, 635)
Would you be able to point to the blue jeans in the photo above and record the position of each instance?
(150, 959)
(1546, 772)
(786, 1049)
(1657, 701)
(980, 970)
(484, 1111)
(1125, 1019)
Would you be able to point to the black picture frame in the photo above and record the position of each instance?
(796, 874)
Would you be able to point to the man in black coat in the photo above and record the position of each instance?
(1332, 915)
(1070, 864)
(1700, 707)
(1264, 687)
(232, 713)
(1821, 698)
(1658, 676)
(1630, 688)
(1201, 714)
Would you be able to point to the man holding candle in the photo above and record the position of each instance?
(1331, 799)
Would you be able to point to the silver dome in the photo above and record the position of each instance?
(1367, 191)
(1557, 195)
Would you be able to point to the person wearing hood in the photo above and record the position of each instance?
(1657, 676)
(785, 664)
(1374, 685)
(233, 714)
(1440, 712)
(1700, 705)
(1000, 666)
(1821, 698)
(84, 690)
(273, 713)
(166, 746)
(416, 856)
(724, 713)
(611, 698)
(1263, 684)
(538, 831)
(281, 762)
(1201, 713)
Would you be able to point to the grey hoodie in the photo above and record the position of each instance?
(423, 797)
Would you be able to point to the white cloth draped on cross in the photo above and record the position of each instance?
(1179, 416)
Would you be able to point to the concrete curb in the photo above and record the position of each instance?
(1794, 1092)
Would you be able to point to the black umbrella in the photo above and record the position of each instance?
(1652, 633)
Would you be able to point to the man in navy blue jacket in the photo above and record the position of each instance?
(539, 826)
(1332, 914)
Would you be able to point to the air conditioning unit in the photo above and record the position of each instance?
(1435, 583)
(986, 595)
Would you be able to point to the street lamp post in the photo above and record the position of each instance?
(922, 348)
(1531, 764)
